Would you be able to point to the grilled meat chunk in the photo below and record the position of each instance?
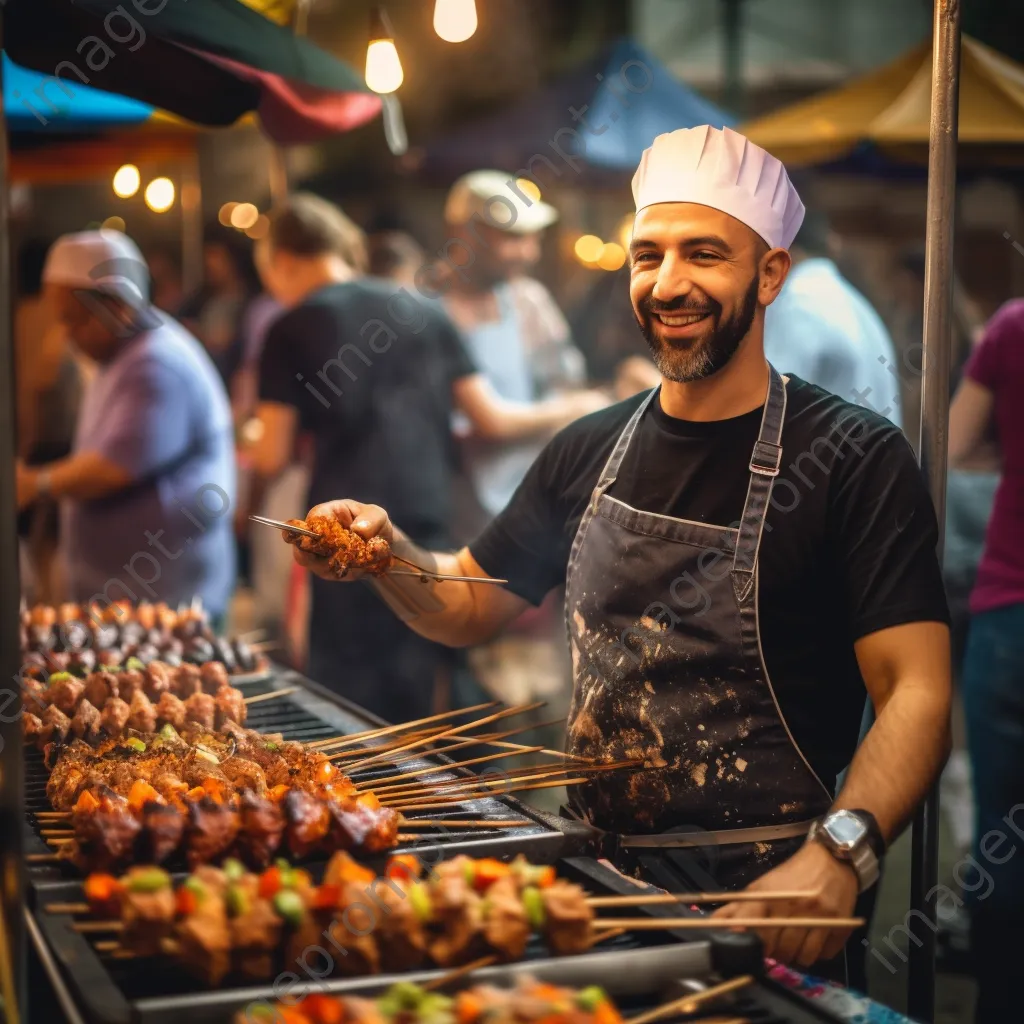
(506, 926)
(201, 708)
(31, 727)
(147, 911)
(211, 832)
(142, 716)
(114, 716)
(401, 938)
(308, 822)
(458, 913)
(65, 694)
(188, 680)
(158, 679)
(100, 687)
(56, 725)
(86, 723)
(230, 705)
(263, 825)
(203, 939)
(214, 675)
(129, 683)
(172, 710)
(162, 829)
(567, 926)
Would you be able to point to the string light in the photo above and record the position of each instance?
(224, 214)
(244, 216)
(611, 257)
(588, 248)
(126, 181)
(455, 20)
(159, 195)
(260, 228)
(383, 68)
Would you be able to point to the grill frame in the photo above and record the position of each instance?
(654, 962)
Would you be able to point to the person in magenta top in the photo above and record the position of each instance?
(989, 401)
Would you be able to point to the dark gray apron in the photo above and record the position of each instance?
(663, 628)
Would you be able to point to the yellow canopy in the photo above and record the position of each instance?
(891, 106)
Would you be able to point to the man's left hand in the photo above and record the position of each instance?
(831, 888)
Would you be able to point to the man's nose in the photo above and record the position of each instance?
(673, 279)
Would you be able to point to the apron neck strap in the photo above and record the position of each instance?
(765, 463)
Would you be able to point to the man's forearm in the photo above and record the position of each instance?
(452, 613)
(900, 758)
(84, 476)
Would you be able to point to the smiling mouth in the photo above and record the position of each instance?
(681, 319)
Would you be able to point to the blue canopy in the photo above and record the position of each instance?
(625, 96)
(37, 102)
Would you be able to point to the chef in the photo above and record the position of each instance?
(744, 555)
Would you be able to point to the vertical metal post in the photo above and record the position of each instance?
(732, 55)
(12, 817)
(938, 300)
(191, 225)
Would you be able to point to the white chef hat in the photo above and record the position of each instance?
(103, 261)
(724, 170)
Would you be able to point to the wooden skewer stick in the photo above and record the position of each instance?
(400, 744)
(461, 823)
(518, 709)
(67, 908)
(611, 933)
(691, 1003)
(92, 927)
(497, 784)
(55, 832)
(466, 797)
(459, 972)
(273, 695)
(266, 645)
(42, 858)
(358, 737)
(381, 785)
(654, 899)
(108, 946)
(636, 924)
(60, 842)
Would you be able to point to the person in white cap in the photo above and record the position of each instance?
(148, 488)
(743, 556)
(510, 323)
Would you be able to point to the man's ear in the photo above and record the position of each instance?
(773, 270)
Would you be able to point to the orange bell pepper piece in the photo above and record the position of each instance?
(369, 801)
(214, 789)
(196, 793)
(343, 868)
(278, 793)
(546, 876)
(322, 1008)
(185, 902)
(488, 871)
(325, 771)
(327, 897)
(606, 1013)
(86, 803)
(468, 1008)
(405, 866)
(101, 890)
(270, 883)
(141, 794)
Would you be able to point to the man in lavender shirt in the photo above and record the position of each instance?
(149, 488)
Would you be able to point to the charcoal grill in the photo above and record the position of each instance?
(314, 713)
(638, 969)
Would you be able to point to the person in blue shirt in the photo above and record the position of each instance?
(148, 490)
(824, 331)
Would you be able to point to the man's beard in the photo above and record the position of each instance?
(689, 361)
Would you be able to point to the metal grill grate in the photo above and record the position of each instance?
(639, 969)
(312, 714)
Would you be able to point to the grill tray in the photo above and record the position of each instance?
(314, 713)
(639, 969)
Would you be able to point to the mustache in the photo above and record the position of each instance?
(682, 304)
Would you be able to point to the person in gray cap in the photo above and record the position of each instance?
(148, 487)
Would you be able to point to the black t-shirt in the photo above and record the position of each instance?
(848, 547)
(370, 370)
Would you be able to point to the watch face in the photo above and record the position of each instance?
(845, 829)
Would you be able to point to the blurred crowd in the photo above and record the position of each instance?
(322, 362)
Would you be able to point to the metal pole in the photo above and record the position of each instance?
(732, 54)
(12, 815)
(938, 300)
(191, 225)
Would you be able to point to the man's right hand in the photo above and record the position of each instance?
(365, 520)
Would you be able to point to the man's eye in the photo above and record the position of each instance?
(703, 254)
(642, 257)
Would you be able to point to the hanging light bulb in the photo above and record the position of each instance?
(383, 68)
(455, 20)
(159, 195)
(126, 181)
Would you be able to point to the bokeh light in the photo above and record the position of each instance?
(611, 257)
(160, 195)
(126, 181)
(244, 216)
(588, 248)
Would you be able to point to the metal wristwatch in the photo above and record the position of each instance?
(852, 836)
